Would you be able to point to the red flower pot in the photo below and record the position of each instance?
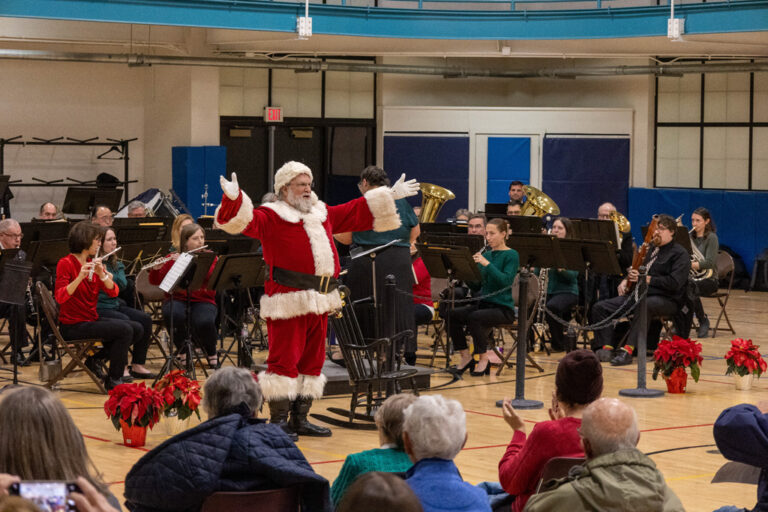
(677, 381)
(133, 436)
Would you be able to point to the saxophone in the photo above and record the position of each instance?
(697, 256)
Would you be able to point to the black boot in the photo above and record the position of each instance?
(299, 423)
(278, 415)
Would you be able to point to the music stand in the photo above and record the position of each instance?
(206, 222)
(596, 229)
(81, 200)
(442, 227)
(35, 231)
(521, 223)
(475, 243)
(14, 278)
(537, 250)
(496, 209)
(238, 272)
(45, 255)
(133, 234)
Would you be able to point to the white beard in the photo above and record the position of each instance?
(303, 204)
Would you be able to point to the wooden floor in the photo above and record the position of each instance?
(676, 429)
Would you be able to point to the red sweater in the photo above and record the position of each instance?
(81, 305)
(156, 276)
(424, 287)
(520, 467)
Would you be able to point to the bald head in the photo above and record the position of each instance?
(604, 211)
(608, 425)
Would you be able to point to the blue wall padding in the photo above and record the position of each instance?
(580, 174)
(509, 159)
(192, 168)
(443, 161)
(739, 216)
(340, 189)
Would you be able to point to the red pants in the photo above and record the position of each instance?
(297, 345)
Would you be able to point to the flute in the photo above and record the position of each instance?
(90, 274)
(162, 260)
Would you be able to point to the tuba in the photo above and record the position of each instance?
(432, 199)
(538, 204)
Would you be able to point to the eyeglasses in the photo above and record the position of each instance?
(18, 236)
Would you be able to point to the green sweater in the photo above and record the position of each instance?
(498, 274)
(708, 246)
(389, 460)
(118, 276)
(562, 281)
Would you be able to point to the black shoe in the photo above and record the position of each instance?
(469, 366)
(703, 330)
(622, 358)
(111, 383)
(126, 379)
(605, 355)
(300, 424)
(487, 371)
(96, 367)
(278, 415)
(139, 375)
(22, 360)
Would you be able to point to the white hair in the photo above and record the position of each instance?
(436, 427)
(227, 388)
(609, 425)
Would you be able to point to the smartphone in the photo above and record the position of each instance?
(49, 496)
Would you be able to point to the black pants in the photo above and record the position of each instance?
(422, 314)
(202, 321)
(16, 324)
(141, 324)
(658, 306)
(479, 319)
(704, 287)
(116, 335)
(561, 305)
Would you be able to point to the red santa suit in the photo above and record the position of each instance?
(301, 242)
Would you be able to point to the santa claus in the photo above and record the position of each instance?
(301, 288)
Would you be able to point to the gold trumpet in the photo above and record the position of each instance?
(538, 203)
(432, 199)
(621, 221)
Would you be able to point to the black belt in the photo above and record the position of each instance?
(322, 284)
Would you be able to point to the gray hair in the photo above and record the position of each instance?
(269, 197)
(229, 387)
(609, 425)
(7, 224)
(135, 205)
(436, 427)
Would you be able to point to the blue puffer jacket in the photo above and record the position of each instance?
(229, 453)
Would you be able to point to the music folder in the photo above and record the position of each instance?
(176, 272)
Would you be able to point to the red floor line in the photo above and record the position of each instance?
(676, 428)
(326, 462)
(110, 441)
(484, 447)
(494, 415)
(97, 438)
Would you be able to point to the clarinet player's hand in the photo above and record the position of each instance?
(479, 258)
(230, 188)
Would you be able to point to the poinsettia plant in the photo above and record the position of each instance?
(677, 353)
(135, 404)
(744, 358)
(180, 393)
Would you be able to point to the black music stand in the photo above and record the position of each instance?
(596, 229)
(238, 272)
(443, 227)
(37, 231)
(135, 234)
(81, 200)
(206, 222)
(537, 250)
(521, 223)
(14, 279)
(496, 208)
(235, 245)
(371, 254)
(45, 255)
(475, 243)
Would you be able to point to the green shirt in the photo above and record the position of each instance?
(118, 276)
(389, 460)
(498, 274)
(708, 245)
(562, 281)
(403, 233)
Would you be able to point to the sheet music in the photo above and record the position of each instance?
(177, 270)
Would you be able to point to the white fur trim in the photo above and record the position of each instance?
(275, 387)
(382, 206)
(292, 304)
(290, 214)
(240, 221)
(311, 386)
(288, 171)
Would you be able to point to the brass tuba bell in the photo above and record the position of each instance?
(538, 203)
(432, 199)
(621, 221)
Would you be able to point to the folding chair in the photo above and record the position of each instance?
(273, 500)
(557, 467)
(725, 269)
(77, 350)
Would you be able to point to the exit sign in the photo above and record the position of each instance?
(273, 115)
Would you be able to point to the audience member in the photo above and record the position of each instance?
(476, 224)
(379, 492)
(389, 457)
(48, 211)
(741, 434)
(434, 432)
(102, 216)
(616, 476)
(462, 214)
(514, 208)
(578, 382)
(516, 192)
(233, 451)
(41, 442)
(136, 209)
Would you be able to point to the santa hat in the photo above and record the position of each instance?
(287, 172)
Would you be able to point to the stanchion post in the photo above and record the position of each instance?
(641, 319)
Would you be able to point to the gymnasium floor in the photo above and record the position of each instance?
(676, 429)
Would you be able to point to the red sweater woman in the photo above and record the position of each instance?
(202, 301)
(579, 382)
(79, 278)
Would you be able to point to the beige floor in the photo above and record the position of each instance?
(681, 424)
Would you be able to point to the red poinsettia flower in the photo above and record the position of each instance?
(136, 404)
(744, 358)
(677, 353)
(181, 393)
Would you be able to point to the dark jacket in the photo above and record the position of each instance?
(741, 434)
(229, 453)
(669, 273)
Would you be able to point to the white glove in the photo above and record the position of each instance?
(403, 188)
(230, 188)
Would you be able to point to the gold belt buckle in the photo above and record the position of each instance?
(325, 281)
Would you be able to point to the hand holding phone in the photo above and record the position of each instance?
(46, 494)
(88, 499)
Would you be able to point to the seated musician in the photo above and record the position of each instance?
(423, 306)
(137, 209)
(498, 268)
(562, 290)
(668, 265)
(476, 224)
(516, 192)
(48, 211)
(114, 307)
(102, 216)
(10, 238)
(79, 278)
(178, 223)
(202, 318)
(514, 208)
(462, 214)
(705, 241)
(607, 286)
